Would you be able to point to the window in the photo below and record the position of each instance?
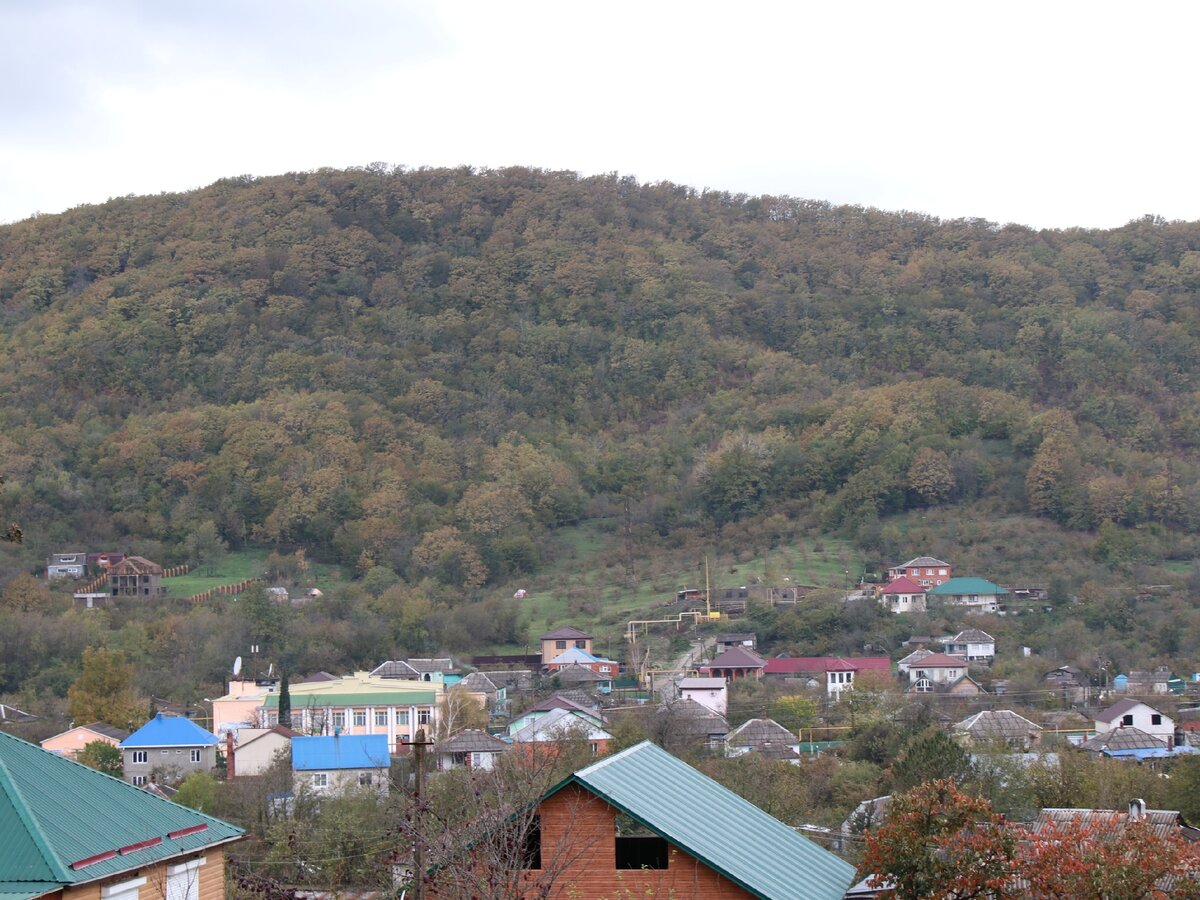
(272, 719)
(422, 717)
(139, 780)
(139, 757)
(560, 645)
(339, 720)
(196, 755)
(606, 668)
(360, 718)
(923, 686)
(402, 717)
(381, 718)
(320, 779)
(1156, 719)
(164, 752)
(638, 847)
(126, 890)
(365, 779)
(941, 572)
(1127, 720)
(183, 880)
(581, 645)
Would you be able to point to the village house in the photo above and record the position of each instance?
(582, 678)
(66, 565)
(764, 736)
(687, 723)
(976, 595)
(135, 576)
(11, 716)
(924, 570)
(737, 662)
(642, 817)
(561, 726)
(589, 713)
(255, 750)
(711, 693)
(1135, 714)
(167, 749)
(730, 640)
(835, 673)
(333, 764)
(999, 726)
(971, 645)
(1128, 742)
(576, 657)
(554, 643)
(471, 749)
(903, 595)
(73, 740)
(932, 671)
(1070, 681)
(71, 833)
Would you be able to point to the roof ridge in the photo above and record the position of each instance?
(8, 787)
(608, 759)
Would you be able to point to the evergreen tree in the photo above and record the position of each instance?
(285, 701)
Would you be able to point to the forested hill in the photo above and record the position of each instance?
(432, 369)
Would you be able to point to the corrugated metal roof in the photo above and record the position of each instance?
(170, 731)
(967, 585)
(56, 815)
(751, 848)
(347, 751)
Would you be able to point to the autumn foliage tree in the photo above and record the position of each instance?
(104, 692)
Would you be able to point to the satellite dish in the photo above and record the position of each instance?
(237, 666)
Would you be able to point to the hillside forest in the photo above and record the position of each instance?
(428, 377)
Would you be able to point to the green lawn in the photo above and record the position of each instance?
(235, 567)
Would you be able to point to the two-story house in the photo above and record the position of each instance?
(1135, 714)
(135, 576)
(556, 642)
(335, 763)
(834, 673)
(976, 595)
(972, 645)
(66, 565)
(924, 570)
(167, 749)
(903, 595)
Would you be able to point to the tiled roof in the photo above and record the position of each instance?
(999, 724)
(1120, 708)
(1163, 822)
(557, 725)
(441, 664)
(960, 586)
(170, 731)
(577, 674)
(480, 683)
(753, 732)
(566, 633)
(471, 741)
(347, 751)
(973, 636)
(751, 848)
(1126, 737)
(796, 665)
(63, 823)
(736, 658)
(395, 668)
(558, 701)
(903, 585)
(915, 657)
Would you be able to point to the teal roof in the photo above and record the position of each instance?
(957, 586)
(64, 823)
(724, 831)
(363, 699)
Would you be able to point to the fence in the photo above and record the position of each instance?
(224, 589)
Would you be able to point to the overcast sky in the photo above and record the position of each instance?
(1051, 114)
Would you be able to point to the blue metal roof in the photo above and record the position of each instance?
(724, 831)
(346, 751)
(170, 731)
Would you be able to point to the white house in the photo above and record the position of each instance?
(903, 595)
(935, 669)
(472, 749)
(972, 645)
(66, 565)
(1126, 713)
(711, 693)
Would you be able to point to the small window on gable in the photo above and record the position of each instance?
(1156, 719)
(1127, 719)
(638, 847)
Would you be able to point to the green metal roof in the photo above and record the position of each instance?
(956, 586)
(724, 831)
(63, 823)
(364, 699)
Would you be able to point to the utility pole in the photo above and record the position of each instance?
(418, 799)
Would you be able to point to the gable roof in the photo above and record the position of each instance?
(566, 633)
(735, 658)
(1126, 737)
(972, 636)
(170, 731)
(751, 848)
(903, 585)
(65, 824)
(575, 655)
(574, 673)
(395, 668)
(12, 714)
(959, 586)
(559, 725)
(472, 740)
(794, 665)
(346, 751)
(277, 730)
(938, 661)
(1120, 708)
(558, 701)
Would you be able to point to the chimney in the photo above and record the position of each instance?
(229, 769)
(1137, 809)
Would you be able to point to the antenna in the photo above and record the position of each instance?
(237, 666)
(270, 670)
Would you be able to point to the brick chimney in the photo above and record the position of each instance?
(229, 768)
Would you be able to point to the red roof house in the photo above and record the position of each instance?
(838, 672)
